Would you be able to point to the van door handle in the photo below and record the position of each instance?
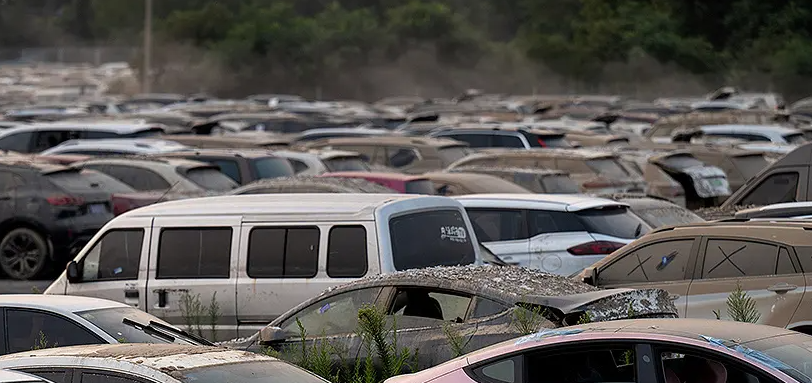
(781, 288)
(162, 298)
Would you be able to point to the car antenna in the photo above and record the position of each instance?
(167, 191)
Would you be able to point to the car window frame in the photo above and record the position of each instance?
(100, 241)
(390, 293)
(759, 182)
(36, 370)
(78, 372)
(5, 321)
(280, 322)
(690, 268)
(700, 258)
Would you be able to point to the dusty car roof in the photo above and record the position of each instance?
(124, 160)
(231, 140)
(246, 153)
(568, 202)
(57, 302)
(377, 175)
(155, 356)
(507, 169)
(388, 140)
(344, 185)
(548, 153)
(476, 182)
(511, 127)
(779, 129)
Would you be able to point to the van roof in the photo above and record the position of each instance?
(315, 204)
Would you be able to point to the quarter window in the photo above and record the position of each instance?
(28, 330)
(347, 252)
(283, 252)
(727, 258)
(545, 222)
(777, 188)
(657, 262)
(497, 225)
(194, 253)
(116, 256)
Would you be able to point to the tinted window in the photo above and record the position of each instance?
(17, 142)
(116, 256)
(272, 167)
(434, 238)
(608, 168)
(283, 252)
(138, 178)
(54, 375)
(725, 258)
(333, 315)
(484, 307)
(194, 253)
(99, 134)
(210, 179)
(229, 168)
(497, 225)
(91, 377)
(559, 184)
(420, 187)
(544, 222)
(591, 364)
(503, 141)
(750, 166)
(656, 262)
(45, 139)
(10, 181)
(613, 221)
(473, 140)
(88, 181)
(347, 252)
(400, 157)
(30, 330)
(538, 141)
(776, 188)
(346, 164)
(795, 138)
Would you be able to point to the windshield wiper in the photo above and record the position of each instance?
(166, 332)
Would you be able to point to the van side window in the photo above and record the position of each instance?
(777, 188)
(194, 253)
(347, 252)
(282, 252)
(115, 257)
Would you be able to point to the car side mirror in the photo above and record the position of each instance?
(590, 276)
(271, 335)
(73, 272)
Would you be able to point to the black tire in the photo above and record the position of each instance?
(23, 254)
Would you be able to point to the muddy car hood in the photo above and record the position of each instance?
(611, 304)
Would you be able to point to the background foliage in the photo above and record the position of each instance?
(301, 43)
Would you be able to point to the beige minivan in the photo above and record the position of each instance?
(701, 264)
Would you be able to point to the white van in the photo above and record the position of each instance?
(283, 249)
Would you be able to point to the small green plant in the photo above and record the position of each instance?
(528, 320)
(631, 312)
(191, 309)
(42, 342)
(122, 339)
(585, 318)
(741, 307)
(455, 339)
(213, 312)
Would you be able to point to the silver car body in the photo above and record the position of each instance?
(545, 251)
(117, 146)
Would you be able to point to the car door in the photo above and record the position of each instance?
(115, 266)
(504, 232)
(766, 271)
(192, 274)
(297, 262)
(667, 264)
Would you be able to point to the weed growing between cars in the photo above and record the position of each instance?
(193, 313)
(740, 307)
(456, 340)
(527, 319)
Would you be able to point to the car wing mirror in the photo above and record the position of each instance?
(271, 335)
(73, 272)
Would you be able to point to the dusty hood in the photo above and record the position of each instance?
(612, 304)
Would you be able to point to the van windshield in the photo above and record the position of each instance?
(432, 238)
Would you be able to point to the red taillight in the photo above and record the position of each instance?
(65, 200)
(121, 206)
(542, 143)
(595, 248)
(597, 184)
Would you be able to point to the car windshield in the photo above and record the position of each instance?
(750, 165)
(795, 138)
(559, 184)
(210, 179)
(270, 371)
(608, 167)
(615, 221)
(346, 164)
(111, 321)
(420, 187)
(667, 216)
(272, 167)
(450, 154)
(432, 238)
(88, 181)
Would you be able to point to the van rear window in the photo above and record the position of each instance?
(432, 238)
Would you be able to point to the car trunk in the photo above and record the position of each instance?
(609, 177)
(699, 180)
(83, 192)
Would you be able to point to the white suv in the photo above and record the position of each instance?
(560, 234)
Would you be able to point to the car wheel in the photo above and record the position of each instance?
(23, 254)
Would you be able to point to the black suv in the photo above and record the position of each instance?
(47, 213)
(243, 166)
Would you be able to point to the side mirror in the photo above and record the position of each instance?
(590, 276)
(271, 335)
(73, 272)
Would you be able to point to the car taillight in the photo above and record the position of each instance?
(597, 184)
(121, 205)
(542, 143)
(65, 200)
(595, 248)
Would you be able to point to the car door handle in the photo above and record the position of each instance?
(674, 297)
(162, 298)
(781, 288)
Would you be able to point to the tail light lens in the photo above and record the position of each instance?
(65, 200)
(597, 184)
(121, 205)
(595, 248)
(542, 143)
